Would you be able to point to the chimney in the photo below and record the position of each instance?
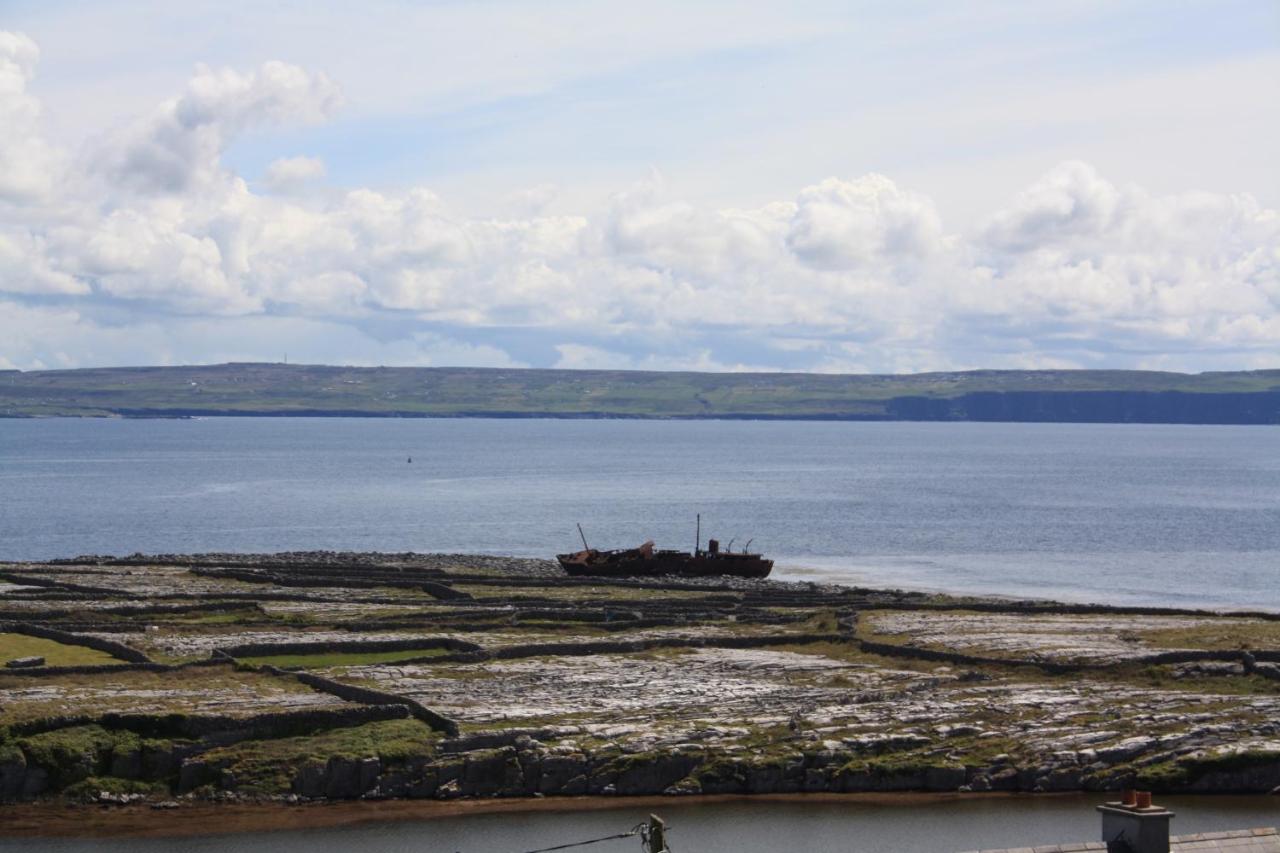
(1134, 825)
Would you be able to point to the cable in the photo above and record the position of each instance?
(635, 830)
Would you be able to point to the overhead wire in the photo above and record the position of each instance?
(635, 830)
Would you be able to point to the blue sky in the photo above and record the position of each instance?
(820, 186)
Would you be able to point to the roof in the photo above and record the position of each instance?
(1264, 840)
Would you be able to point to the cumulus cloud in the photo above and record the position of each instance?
(848, 224)
(24, 267)
(1069, 203)
(27, 162)
(532, 201)
(153, 250)
(1199, 267)
(289, 173)
(177, 147)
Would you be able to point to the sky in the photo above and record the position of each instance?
(815, 186)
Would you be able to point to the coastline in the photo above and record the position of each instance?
(413, 686)
(59, 820)
(281, 390)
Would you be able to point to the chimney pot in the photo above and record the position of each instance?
(1135, 828)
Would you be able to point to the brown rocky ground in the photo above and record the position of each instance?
(319, 675)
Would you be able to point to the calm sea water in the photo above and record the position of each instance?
(1176, 515)
(737, 827)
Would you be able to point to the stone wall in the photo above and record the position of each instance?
(369, 696)
(345, 646)
(1151, 659)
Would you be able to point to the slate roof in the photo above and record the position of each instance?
(1265, 840)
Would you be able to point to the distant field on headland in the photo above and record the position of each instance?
(1084, 396)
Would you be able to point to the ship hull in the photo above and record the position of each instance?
(632, 564)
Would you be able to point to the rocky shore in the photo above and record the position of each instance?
(326, 676)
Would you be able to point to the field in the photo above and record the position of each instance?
(54, 653)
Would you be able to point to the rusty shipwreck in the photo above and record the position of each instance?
(647, 560)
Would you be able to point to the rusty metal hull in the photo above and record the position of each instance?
(637, 563)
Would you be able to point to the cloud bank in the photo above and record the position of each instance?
(144, 247)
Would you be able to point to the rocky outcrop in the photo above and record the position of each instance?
(525, 769)
(18, 781)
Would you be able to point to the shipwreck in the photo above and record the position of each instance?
(647, 560)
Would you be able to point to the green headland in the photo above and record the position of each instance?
(1088, 396)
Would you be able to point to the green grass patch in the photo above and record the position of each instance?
(73, 754)
(89, 789)
(269, 766)
(9, 752)
(821, 622)
(124, 691)
(1162, 677)
(1171, 775)
(247, 616)
(1217, 634)
(54, 653)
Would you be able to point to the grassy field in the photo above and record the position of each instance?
(54, 653)
(277, 389)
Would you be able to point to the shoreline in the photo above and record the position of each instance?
(732, 417)
(73, 820)
(789, 571)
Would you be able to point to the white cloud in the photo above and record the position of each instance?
(289, 173)
(848, 224)
(849, 273)
(37, 337)
(1202, 268)
(531, 201)
(24, 267)
(177, 148)
(27, 162)
(1071, 202)
(582, 357)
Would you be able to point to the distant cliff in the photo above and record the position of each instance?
(1103, 407)
(277, 390)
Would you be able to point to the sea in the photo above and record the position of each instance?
(902, 824)
(1184, 516)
